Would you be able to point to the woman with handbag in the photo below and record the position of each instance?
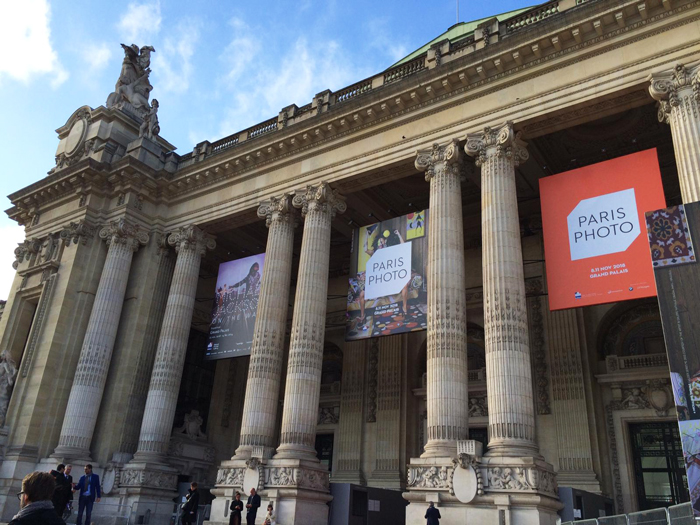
(236, 509)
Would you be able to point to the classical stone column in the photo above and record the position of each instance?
(678, 93)
(508, 369)
(575, 456)
(387, 468)
(447, 393)
(318, 204)
(267, 352)
(123, 239)
(191, 244)
(351, 425)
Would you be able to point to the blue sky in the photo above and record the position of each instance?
(219, 67)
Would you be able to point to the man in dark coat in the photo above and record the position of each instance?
(36, 507)
(189, 508)
(63, 490)
(253, 505)
(432, 515)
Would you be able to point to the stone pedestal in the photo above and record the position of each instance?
(678, 93)
(123, 239)
(265, 371)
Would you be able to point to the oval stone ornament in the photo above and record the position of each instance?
(251, 480)
(75, 136)
(465, 484)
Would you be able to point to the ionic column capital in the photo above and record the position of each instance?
(123, 232)
(319, 197)
(278, 209)
(77, 232)
(439, 159)
(666, 85)
(190, 237)
(502, 141)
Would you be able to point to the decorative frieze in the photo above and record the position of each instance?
(147, 479)
(521, 479)
(429, 477)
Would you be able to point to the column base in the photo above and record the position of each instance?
(471, 489)
(299, 490)
(249, 451)
(150, 489)
(385, 479)
(292, 451)
(579, 479)
(349, 476)
(440, 449)
(71, 455)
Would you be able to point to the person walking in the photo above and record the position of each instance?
(63, 490)
(189, 508)
(432, 515)
(236, 509)
(88, 489)
(253, 505)
(36, 507)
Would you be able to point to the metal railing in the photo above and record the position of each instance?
(675, 515)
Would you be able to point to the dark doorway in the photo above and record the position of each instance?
(324, 450)
(658, 465)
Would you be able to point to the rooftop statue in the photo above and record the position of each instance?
(133, 86)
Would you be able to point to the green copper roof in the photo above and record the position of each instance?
(458, 31)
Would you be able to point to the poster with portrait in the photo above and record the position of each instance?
(235, 307)
(387, 291)
(671, 233)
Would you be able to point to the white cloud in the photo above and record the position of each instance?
(383, 39)
(260, 82)
(25, 37)
(172, 62)
(96, 56)
(11, 236)
(141, 21)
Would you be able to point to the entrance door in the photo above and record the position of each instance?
(658, 465)
(324, 450)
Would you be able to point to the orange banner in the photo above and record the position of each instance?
(595, 241)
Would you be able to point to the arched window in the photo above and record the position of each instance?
(632, 329)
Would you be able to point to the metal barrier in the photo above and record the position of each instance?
(104, 514)
(649, 517)
(675, 515)
(203, 513)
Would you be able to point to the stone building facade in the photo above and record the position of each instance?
(102, 335)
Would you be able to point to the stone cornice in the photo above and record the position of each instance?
(225, 168)
(457, 80)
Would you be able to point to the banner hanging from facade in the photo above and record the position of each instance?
(235, 307)
(388, 291)
(593, 221)
(671, 233)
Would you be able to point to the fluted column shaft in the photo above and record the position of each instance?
(508, 369)
(191, 244)
(447, 379)
(303, 388)
(678, 93)
(88, 386)
(265, 371)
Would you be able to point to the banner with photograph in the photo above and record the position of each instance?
(593, 222)
(388, 292)
(235, 307)
(671, 233)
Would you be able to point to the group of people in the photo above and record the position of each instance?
(45, 496)
(251, 506)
